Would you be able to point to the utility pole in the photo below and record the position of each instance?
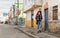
(19, 4)
(17, 11)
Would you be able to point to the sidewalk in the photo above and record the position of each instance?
(33, 33)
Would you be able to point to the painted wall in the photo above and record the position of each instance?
(54, 26)
(28, 15)
(28, 4)
(28, 19)
(52, 3)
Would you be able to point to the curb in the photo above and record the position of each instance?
(54, 34)
(29, 34)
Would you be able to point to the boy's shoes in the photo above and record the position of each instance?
(39, 31)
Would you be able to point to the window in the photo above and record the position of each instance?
(31, 0)
(55, 12)
(25, 2)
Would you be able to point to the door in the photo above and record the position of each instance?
(46, 19)
(32, 14)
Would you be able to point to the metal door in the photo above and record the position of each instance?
(46, 19)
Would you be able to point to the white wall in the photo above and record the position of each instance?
(59, 10)
(28, 15)
(52, 3)
(28, 4)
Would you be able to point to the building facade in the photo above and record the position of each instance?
(53, 15)
(19, 5)
(50, 12)
(11, 15)
(31, 7)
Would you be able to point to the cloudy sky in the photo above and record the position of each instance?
(5, 5)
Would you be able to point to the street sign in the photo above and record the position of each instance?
(5, 14)
(18, 12)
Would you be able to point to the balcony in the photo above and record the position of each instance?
(32, 4)
(37, 3)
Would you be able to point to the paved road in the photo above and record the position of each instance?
(9, 31)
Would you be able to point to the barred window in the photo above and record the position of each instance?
(55, 12)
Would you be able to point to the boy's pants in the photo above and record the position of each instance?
(39, 25)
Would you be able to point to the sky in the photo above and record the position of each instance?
(5, 5)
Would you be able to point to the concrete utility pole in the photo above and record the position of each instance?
(18, 4)
(16, 13)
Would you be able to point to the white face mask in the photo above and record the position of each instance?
(38, 13)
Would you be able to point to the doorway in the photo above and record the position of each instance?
(32, 14)
(46, 19)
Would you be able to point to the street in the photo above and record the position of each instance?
(10, 31)
(29, 18)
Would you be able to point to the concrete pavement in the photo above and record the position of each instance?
(9, 31)
(33, 32)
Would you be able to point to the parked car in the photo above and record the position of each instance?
(6, 22)
(1, 22)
